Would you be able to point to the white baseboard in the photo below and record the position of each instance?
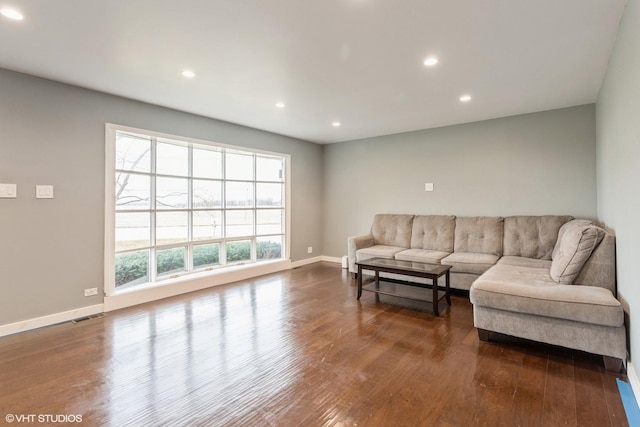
(316, 259)
(191, 283)
(51, 319)
(306, 261)
(633, 380)
(167, 289)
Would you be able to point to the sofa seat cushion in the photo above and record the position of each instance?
(380, 251)
(422, 255)
(533, 291)
(519, 261)
(470, 262)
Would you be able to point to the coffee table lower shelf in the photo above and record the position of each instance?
(419, 293)
(410, 290)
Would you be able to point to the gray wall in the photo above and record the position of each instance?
(51, 133)
(618, 168)
(533, 164)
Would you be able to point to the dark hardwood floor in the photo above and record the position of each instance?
(296, 348)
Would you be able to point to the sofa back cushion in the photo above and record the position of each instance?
(575, 245)
(392, 230)
(532, 236)
(479, 234)
(433, 232)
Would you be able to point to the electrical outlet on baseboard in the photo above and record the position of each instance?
(90, 292)
(310, 250)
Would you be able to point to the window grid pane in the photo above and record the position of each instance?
(206, 255)
(133, 152)
(269, 248)
(207, 194)
(238, 223)
(171, 261)
(172, 159)
(207, 163)
(132, 268)
(238, 166)
(269, 168)
(172, 193)
(171, 227)
(133, 191)
(238, 251)
(207, 225)
(269, 221)
(238, 194)
(132, 230)
(269, 195)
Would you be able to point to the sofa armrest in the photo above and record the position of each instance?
(355, 243)
(600, 268)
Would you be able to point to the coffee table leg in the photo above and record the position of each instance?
(435, 296)
(446, 292)
(359, 282)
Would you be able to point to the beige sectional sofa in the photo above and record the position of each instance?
(546, 278)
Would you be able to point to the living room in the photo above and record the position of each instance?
(578, 158)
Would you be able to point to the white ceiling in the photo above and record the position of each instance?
(359, 62)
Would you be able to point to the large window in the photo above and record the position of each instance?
(180, 206)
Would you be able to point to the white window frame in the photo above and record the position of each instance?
(110, 210)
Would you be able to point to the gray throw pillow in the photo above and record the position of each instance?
(565, 226)
(574, 248)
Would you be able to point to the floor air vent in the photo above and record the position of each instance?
(82, 319)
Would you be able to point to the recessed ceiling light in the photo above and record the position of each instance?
(431, 61)
(336, 124)
(465, 98)
(12, 14)
(280, 105)
(188, 74)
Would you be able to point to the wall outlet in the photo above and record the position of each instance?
(309, 250)
(428, 186)
(91, 291)
(44, 191)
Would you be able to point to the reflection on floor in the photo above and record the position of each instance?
(296, 348)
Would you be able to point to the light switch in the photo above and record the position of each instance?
(8, 191)
(44, 191)
(428, 186)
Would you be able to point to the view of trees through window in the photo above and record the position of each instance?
(182, 207)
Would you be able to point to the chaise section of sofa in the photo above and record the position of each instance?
(520, 296)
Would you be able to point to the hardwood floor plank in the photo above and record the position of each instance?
(559, 404)
(589, 395)
(297, 348)
(529, 394)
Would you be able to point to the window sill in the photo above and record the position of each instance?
(190, 283)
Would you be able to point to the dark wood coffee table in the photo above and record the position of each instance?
(406, 289)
